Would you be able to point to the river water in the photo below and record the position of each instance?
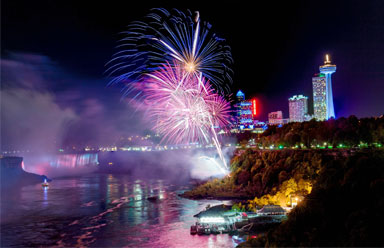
(103, 210)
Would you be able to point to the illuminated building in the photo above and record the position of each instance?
(219, 218)
(275, 118)
(244, 111)
(240, 96)
(322, 91)
(319, 96)
(298, 108)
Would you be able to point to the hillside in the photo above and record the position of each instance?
(269, 176)
(345, 207)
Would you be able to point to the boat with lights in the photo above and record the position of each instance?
(45, 184)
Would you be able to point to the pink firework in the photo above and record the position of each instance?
(183, 106)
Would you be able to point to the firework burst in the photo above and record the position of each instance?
(185, 108)
(178, 38)
(171, 59)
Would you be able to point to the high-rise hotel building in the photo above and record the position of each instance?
(319, 83)
(298, 108)
(243, 112)
(322, 91)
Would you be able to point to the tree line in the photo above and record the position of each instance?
(341, 132)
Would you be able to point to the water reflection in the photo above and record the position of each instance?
(45, 196)
(105, 211)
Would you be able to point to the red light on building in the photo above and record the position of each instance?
(254, 107)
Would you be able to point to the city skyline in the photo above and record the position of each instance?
(58, 52)
(287, 63)
(323, 107)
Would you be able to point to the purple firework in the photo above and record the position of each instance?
(184, 107)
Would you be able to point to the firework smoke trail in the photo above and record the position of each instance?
(217, 145)
(178, 38)
(214, 162)
(186, 111)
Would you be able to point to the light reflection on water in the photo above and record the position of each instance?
(103, 210)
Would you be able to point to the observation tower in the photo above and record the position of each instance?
(327, 69)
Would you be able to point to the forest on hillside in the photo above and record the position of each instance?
(344, 208)
(269, 176)
(334, 133)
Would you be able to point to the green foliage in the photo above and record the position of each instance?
(351, 132)
(261, 172)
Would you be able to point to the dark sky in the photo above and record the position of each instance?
(276, 46)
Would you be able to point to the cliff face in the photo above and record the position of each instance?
(12, 173)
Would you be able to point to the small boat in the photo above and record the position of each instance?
(45, 183)
(154, 198)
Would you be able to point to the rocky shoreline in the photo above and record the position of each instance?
(13, 174)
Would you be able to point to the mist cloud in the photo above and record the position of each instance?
(44, 107)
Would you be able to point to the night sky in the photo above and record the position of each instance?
(276, 47)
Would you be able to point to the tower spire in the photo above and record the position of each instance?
(327, 61)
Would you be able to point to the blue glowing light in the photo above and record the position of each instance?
(245, 104)
(265, 127)
(246, 112)
(246, 121)
(240, 94)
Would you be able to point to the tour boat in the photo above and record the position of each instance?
(45, 183)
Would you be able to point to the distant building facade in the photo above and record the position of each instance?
(272, 210)
(244, 116)
(319, 85)
(275, 118)
(298, 108)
